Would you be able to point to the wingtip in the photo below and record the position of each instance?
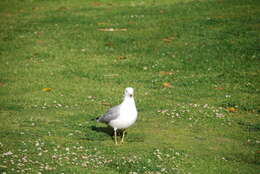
(95, 119)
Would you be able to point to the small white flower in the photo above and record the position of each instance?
(206, 105)
(218, 115)
(133, 173)
(8, 153)
(163, 169)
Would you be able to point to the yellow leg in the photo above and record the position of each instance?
(122, 140)
(115, 136)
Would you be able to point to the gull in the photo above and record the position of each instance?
(121, 116)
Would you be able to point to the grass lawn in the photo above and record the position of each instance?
(194, 64)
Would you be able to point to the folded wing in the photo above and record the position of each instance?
(112, 113)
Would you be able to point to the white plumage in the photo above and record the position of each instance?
(123, 115)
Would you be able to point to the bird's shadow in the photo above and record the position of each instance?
(107, 133)
(106, 130)
(100, 133)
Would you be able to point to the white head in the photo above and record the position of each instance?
(129, 92)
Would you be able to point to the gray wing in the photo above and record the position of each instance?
(111, 114)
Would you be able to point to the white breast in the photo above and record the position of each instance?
(128, 116)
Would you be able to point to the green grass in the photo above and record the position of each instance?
(210, 46)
